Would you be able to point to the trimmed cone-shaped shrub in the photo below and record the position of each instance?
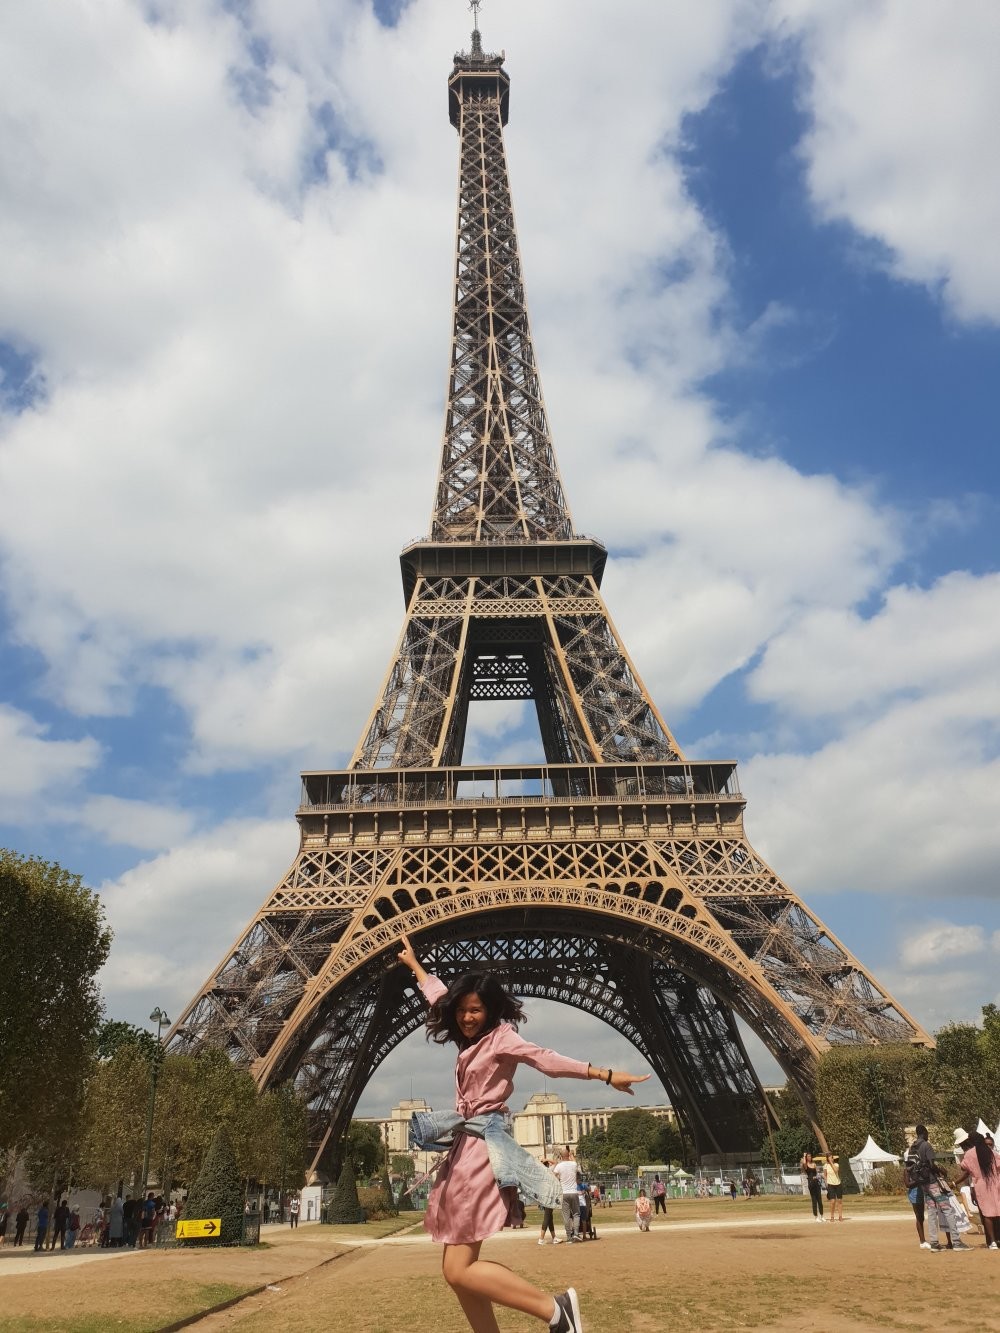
(386, 1185)
(218, 1192)
(345, 1207)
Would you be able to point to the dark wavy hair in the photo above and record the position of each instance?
(442, 1024)
(984, 1153)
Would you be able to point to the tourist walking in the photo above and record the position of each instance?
(834, 1187)
(72, 1227)
(659, 1192)
(293, 1211)
(41, 1225)
(21, 1224)
(547, 1223)
(981, 1166)
(566, 1173)
(643, 1210)
(810, 1170)
(465, 1205)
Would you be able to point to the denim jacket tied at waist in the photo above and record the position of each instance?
(435, 1131)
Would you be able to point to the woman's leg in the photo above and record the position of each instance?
(478, 1283)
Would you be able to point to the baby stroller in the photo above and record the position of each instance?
(587, 1229)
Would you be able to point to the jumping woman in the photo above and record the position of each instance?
(469, 1200)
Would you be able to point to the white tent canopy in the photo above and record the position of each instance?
(869, 1159)
(873, 1154)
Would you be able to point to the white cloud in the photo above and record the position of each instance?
(940, 941)
(133, 823)
(904, 99)
(33, 764)
(937, 639)
(904, 804)
(175, 915)
(912, 774)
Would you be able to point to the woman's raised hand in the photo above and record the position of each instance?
(407, 956)
(622, 1082)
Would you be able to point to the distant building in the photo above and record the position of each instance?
(547, 1124)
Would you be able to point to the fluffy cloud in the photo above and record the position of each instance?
(912, 772)
(941, 639)
(940, 941)
(904, 99)
(33, 764)
(174, 915)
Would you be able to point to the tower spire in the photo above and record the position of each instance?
(498, 477)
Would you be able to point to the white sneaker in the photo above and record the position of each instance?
(542, 1241)
(994, 1246)
(557, 1240)
(925, 1245)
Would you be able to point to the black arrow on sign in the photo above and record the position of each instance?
(210, 1227)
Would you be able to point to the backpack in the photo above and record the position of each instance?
(915, 1171)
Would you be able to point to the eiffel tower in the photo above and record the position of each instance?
(616, 876)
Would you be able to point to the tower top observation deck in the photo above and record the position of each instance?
(477, 74)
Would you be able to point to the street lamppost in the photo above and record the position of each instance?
(159, 1017)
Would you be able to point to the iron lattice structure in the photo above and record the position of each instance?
(616, 876)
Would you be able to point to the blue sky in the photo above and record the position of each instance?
(761, 265)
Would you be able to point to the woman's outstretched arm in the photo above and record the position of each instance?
(407, 956)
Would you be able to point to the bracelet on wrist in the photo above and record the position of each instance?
(608, 1079)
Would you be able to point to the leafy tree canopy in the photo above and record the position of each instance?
(402, 1165)
(114, 1033)
(53, 941)
(631, 1138)
(364, 1147)
(877, 1090)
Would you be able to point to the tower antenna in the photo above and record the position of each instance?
(474, 5)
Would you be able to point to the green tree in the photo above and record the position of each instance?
(592, 1152)
(386, 1186)
(113, 1034)
(53, 941)
(877, 1090)
(794, 1135)
(218, 1193)
(961, 1075)
(364, 1147)
(989, 1043)
(401, 1164)
(632, 1137)
(112, 1137)
(345, 1207)
(668, 1145)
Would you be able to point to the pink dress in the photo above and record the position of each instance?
(465, 1204)
(987, 1187)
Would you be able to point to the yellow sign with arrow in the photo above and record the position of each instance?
(192, 1227)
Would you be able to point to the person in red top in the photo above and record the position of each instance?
(466, 1206)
